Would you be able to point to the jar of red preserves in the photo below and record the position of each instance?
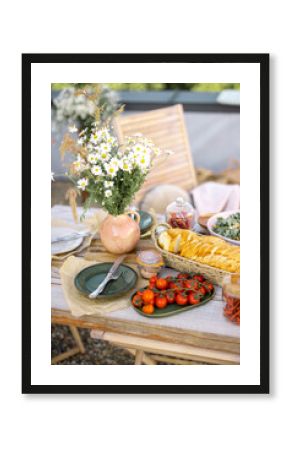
(231, 296)
(180, 214)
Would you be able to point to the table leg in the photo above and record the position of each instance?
(146, 358)
(77, 338)
(80, 348)
(139, 357)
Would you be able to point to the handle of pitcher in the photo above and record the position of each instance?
(134, 213)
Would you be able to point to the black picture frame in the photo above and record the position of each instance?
(263, 61)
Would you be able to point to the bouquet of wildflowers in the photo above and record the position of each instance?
(110, 173)
(74, 104)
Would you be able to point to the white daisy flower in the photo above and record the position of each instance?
(146, 151)
(82, 183)
(108, 193)
(125, 165)
(72, 129)
(138, 149)
(90, 147)
(131, 156)
(108, 184)
(115, 161)
(81, 141)
(143, 161)
(79, 164)
(105, 133)
(103, 155)
(94, 140)
(93, 158)
(111, 140)
(95, 137)
(105, 147)
(111, 169)
(96, 170)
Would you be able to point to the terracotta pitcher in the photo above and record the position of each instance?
(120, 234)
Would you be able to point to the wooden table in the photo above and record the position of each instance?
(201, 335)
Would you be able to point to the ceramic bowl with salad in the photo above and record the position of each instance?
(226, 225)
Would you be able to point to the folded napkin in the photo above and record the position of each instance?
(91, 223)
(78, 303)
(86, 241)
(214, 197)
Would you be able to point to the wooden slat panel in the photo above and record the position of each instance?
(166, 128)
(177, 350)
(163, 114)
(149, 331)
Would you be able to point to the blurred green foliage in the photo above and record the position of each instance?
(201, 87)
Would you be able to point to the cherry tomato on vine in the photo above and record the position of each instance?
(148, 309)
(137, 301)
(170, 297)
(199, 278)
(161, 302)
(181, 299)
(188, 284)
(152, 281)
(193, 299)
(182, 276)
(202, 290)
(161, 284)
(209, 286)
(148, 297)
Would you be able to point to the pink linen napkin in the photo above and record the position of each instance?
(214, 197)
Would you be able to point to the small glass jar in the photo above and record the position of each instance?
(149, 263)
(231, 295)
(180, 214)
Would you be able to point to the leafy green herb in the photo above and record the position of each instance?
(229, 227)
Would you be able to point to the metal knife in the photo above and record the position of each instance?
(109, 276)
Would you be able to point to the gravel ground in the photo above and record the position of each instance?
(97, 351)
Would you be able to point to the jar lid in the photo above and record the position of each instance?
(180, 201)
(149, 258)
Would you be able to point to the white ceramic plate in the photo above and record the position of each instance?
(212, 221)
(64, 246)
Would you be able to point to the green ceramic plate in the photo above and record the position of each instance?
(89, 279)
(172, 309)
(146, 221)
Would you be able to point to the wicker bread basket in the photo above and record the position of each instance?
(182, 264)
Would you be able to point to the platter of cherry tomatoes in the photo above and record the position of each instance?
(171, 295)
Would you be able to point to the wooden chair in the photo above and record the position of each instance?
(166, 127)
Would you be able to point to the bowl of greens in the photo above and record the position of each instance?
(226, 225)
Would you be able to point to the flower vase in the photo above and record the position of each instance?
(120, 234)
